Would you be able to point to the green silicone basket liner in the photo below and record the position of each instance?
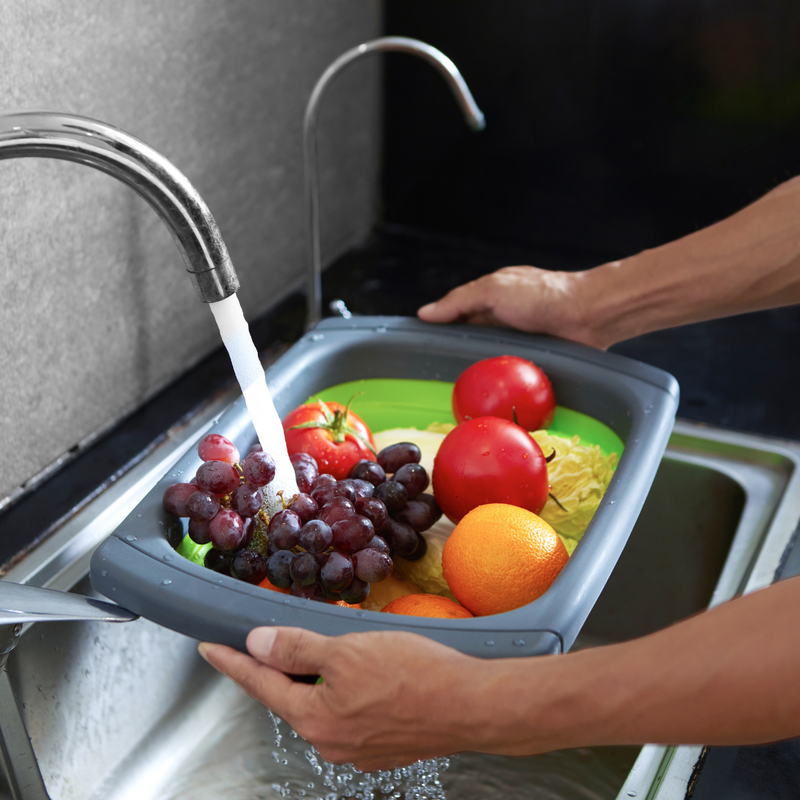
(385, 403)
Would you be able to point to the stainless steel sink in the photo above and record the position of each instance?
(131, 711)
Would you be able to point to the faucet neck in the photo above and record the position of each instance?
(147, 172)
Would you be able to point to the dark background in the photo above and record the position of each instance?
(611, 126)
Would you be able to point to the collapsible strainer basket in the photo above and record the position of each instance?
(606, 399)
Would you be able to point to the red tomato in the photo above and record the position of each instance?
(335, 436)
(489, 460)
(498, 387)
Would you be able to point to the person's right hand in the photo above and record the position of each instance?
(527, 298)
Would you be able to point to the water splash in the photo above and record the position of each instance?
(420, 781)
(236, 337)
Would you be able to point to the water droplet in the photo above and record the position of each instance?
(611, 502)
(130, 538)
(166, 582)
(167, 557)
(104, 572)
(138, 516)
(489, 642)
(286, 602)
(518, 642)
(631, 794)
(359, 613)
(273, 620)
(380, 329)
(317, 337)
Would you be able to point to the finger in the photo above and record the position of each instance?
(267, 685)
(463, 300)
(293, 650)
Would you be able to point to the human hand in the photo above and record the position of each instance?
(387, 699)
(527, 298)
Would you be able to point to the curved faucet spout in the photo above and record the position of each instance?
(157, 180)
(401, 44)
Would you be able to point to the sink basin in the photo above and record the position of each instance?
(131, 711)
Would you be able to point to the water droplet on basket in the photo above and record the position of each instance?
(317, 337)
(166, 582)
(104, 572)
(167, 557)
(518, 642)
(286, 602)
(130, 538)
(138, 516)
(273, 620)
(381, 329)
(611, 502)
(489, 642)
(359, 613)
(631, 794)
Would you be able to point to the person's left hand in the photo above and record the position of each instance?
(387, 699)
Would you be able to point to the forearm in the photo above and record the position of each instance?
(728, 676)
(747, 262)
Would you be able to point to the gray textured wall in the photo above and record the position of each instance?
(97, 311)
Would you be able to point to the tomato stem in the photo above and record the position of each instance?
(336, 424)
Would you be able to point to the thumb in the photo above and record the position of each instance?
(462, 301)
(292, 650)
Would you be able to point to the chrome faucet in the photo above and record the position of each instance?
(157, 180)
(401, 44)
(166, 189)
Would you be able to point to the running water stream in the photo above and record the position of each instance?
(235, 333)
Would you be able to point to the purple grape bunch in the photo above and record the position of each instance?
(398, 483)
(333, 539)
(224, 505)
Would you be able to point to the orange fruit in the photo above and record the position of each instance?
(265, 584)
(426, 605)
(501, 557)
(343, 604)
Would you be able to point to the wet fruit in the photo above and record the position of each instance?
(427, 605)
(501, 557)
